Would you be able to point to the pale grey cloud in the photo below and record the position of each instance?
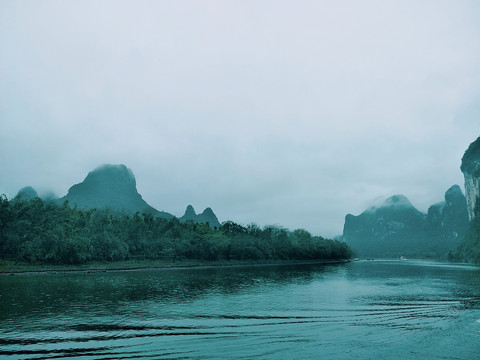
(289, 112)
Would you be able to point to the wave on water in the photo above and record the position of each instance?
(363, 313)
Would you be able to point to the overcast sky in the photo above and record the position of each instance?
(274, 112)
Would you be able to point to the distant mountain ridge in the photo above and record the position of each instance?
(396, 228)
(207, 216)
(110, 187)
(114, 187)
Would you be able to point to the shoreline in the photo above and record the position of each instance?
(124, 266)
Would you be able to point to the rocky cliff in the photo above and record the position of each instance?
(207, 216)
(110, 187)
(471, 170)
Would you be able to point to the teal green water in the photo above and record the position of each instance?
(360, 310)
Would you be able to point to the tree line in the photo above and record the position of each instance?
(43, 232)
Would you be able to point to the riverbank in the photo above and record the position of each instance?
(10, 268)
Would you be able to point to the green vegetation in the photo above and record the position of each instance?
(469, 248)
(41, 232)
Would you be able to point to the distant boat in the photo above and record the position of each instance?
(403, 258)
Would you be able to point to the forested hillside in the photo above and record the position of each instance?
(42, 232)
(469, 248)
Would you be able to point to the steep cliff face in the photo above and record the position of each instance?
(471, 171)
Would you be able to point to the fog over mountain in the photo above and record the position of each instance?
(110, 187)
(396, 228)
(275, 112)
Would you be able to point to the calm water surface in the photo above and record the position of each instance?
(361, 310)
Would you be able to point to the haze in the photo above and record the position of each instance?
(274, 112)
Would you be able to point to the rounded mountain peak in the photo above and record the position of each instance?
(397, 200)
(208, 211)
(27, 193)
(112, 173)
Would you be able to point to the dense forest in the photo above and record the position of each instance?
(42, 232)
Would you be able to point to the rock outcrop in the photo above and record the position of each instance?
(471, 170)
(110, 187)
(206, 217)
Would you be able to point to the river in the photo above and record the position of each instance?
(360, 310)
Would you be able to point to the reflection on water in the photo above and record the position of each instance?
(361, 310)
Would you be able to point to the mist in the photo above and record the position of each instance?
(273, 112)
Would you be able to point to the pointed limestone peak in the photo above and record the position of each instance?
(189, 215)
(208, 216)
(189, 211)
(454, 194)
(208, 211)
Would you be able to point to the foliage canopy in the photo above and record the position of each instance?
(43, 232)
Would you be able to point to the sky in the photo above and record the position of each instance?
(292, 113)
